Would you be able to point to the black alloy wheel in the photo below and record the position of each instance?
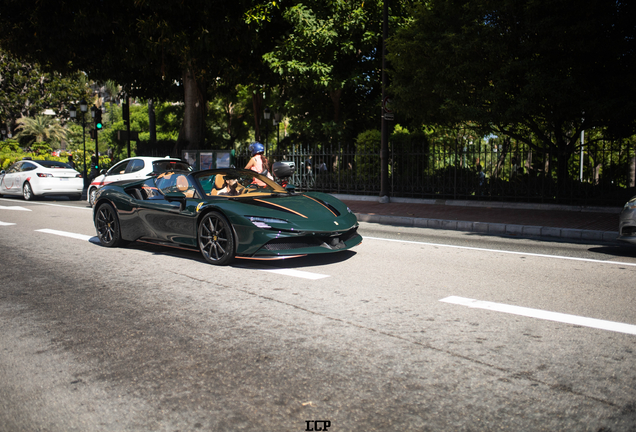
(216, 241)
(107, 226)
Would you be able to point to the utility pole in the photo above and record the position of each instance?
(384, 143)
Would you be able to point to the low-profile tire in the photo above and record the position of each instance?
(216, 241)
(27, 192)
(107, 226)
(91, 196)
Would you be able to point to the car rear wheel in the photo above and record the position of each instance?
(107, 226)
(27, 192)
(216, 241)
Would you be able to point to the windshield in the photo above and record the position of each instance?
(237, 183)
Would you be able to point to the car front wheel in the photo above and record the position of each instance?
(107, 226)
(216, 241)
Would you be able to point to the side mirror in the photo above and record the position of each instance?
(290, 188)
(178, 197)
(2, 172)
(103, 172)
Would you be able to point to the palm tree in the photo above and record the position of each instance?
(41, 129)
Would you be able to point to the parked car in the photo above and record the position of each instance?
(627, 222)
(133, 169)
(35, 178)
(226, 214)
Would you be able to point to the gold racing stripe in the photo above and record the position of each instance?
(321, 203)
(282, 207)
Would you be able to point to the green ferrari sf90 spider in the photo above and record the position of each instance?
(227, 214)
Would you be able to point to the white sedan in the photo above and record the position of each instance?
(33, 178)
(134, 168)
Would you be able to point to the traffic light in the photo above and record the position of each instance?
(92, 133)
(98, 119)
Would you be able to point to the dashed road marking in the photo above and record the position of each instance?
(545, 315)
(92, 239)
(14, 208)
(6, 223)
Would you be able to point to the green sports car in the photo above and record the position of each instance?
(227, 214)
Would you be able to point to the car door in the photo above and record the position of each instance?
(167, 220)
(117, 172)
(10, 181)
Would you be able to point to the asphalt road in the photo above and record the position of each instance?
(147, 338)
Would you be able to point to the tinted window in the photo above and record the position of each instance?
(14, 168)
(173, 182)
(27, 166)
(53, 164)
(135, 165)
(120, 168)
(150, 190)
(160, 166)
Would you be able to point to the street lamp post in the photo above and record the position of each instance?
(266, 115)
(73, 112)
(94, 116)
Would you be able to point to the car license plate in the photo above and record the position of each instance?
(64, 179)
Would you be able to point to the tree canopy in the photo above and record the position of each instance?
(26, 90)
(539, 71)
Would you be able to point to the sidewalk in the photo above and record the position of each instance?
(513, 219)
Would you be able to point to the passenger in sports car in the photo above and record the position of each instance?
(230, 188)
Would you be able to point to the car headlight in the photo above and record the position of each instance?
(631, 204)
(263, 222)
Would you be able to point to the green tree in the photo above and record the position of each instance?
(26, 90)
(537, 71)
(329, 67)
(41, 129)
(156, 49)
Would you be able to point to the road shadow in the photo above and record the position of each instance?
(623, 251)
(195, 255)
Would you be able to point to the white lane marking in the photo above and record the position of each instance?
(52, 205)
(92, 239)
(6, 223)
(298, 273)
(541, 314)
(503, 251)
(14, 208)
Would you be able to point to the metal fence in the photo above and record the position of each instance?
(603, 176)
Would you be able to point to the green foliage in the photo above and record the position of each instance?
(367, 148)
(9, 145)
(538, 71)
(26, 90)
(41, 148)
(40, 129)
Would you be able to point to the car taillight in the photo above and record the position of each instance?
(79, 175)
(44, 175)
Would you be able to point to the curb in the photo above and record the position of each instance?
(492, 228)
